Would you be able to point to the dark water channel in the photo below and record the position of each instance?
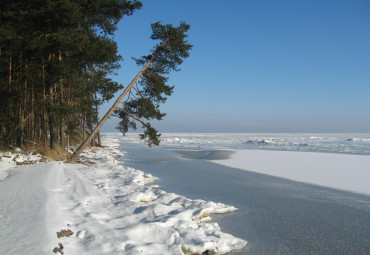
(275, 216)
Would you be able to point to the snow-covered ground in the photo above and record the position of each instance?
(9, 160)
(339, 171)
(110, 208)
(114, 209)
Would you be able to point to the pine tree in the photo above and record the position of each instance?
(55, 59)
(141, 99)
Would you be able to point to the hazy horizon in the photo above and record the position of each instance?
(109, 127)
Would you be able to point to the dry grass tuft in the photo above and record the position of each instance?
(64, 233)
(58, 154)
(59, 249)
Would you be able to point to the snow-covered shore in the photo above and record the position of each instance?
(109, 208)
(339, 171)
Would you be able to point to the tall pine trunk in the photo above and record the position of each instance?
(61, 102)
(52, 122)
(97, 118)
(110, 111)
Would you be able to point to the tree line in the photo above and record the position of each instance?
(56, 60)
(56, 57)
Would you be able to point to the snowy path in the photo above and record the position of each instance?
(23, 210)
(111, 209)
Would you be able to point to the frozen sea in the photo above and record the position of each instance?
(327, 143)
(276, 215)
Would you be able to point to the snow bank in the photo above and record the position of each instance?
(340, 171)
(9, 160)
(110, 208)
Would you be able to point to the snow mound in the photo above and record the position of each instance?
(9, 160)
(261, 142)
(111, 209)
(135, 218)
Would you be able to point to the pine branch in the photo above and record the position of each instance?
(144, 80)
(132, 116)
(131, 94)
(137, 90)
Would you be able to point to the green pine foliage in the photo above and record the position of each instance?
(144, 99)
(56, 57)
(56, 60)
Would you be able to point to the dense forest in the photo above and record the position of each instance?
(56, 60)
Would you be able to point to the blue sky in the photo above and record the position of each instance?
(260, 66)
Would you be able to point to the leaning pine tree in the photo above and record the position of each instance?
(141, 99)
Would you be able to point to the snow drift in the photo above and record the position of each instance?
(110, 208)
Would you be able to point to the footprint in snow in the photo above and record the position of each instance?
(81, 234)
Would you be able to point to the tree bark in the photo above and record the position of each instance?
(44, 133)
(10, 73)
(61, 102)
(52, 125)
(97, 118)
